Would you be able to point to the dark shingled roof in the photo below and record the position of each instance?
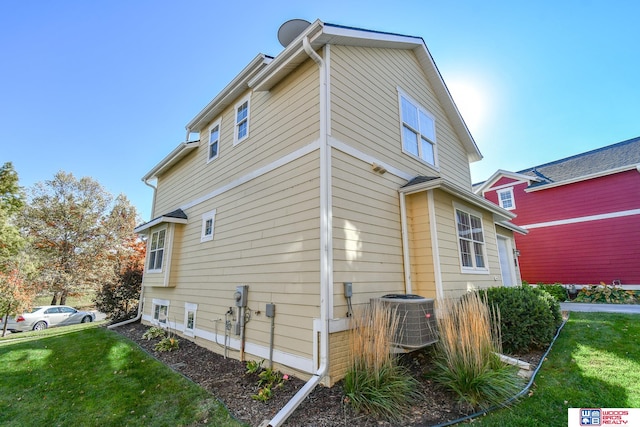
(625, 153)
(419, 180)
(178, 213)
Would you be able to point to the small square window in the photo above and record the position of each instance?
(160, 311)
(505, 199)
(208, 225)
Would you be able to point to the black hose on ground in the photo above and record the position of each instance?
(513, 398)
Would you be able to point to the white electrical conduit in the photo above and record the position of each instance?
(295, 401)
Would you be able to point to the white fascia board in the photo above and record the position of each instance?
(445, 98)
(500, 173)
(584, 178)
(511, 226)
(160, 220)
(178, 153)
(468, 196)
(227, 96)
(287, 60)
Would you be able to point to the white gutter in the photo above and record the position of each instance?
(153, 201)
(326, 274)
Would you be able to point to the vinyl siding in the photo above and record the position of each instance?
(367, 242)
(365, 110)
(266, 236)
(420, 248)
(453, 280)
(281, 121)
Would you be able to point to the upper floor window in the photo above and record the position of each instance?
(418, 130)
(242, 121)
(208, 223)
(505, 198)
(156, 250)
(471, 241)
(214, 141)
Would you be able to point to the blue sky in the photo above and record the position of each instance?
(105, 88)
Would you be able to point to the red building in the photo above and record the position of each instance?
(582, 214)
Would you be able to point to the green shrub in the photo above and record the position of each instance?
(529, 317)
(167, 344)
(607, 294)
(375, 383)
(556, 290)
(467, 361)
(154, 332)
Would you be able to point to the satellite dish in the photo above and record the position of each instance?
(290, 30)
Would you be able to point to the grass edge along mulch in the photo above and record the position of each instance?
(94, 377)
(594, 363)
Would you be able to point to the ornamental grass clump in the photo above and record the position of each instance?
(375, 382)
(467, 360)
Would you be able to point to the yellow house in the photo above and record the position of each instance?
(341, 160)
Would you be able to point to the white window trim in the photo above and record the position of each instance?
(218, 124)
(211, 215)
(403, 94)
(159, 302)
(164, 250)
(190, 307)
(237, 140)
(474, 269)
(508, 190)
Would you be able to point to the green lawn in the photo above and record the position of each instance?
(90, 376)
(594, 363)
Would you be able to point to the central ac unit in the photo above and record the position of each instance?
(417, 326)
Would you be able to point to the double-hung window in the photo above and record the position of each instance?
(214, 141)
(156, 250)
(242, 121)
(418, 130)
(208, 224)
(505, 198)
(471, 241)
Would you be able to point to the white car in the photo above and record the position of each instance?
(47, 316)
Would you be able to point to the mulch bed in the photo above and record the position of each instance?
(228, 381)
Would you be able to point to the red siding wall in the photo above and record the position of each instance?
(586, 252)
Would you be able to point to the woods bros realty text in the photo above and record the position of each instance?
(604, 417)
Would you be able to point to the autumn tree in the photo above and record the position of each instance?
(74, 234)
(119, 297)
(11, 202)
(16, 292)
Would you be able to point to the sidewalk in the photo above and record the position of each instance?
(604, 308)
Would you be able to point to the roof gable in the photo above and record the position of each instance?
(320, 34)
(498, 175)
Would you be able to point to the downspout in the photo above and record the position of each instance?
(408, 288)
(140, 301)
(325, 248)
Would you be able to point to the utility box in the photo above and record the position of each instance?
(417, 326)
(240, 295)
(271, 310)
